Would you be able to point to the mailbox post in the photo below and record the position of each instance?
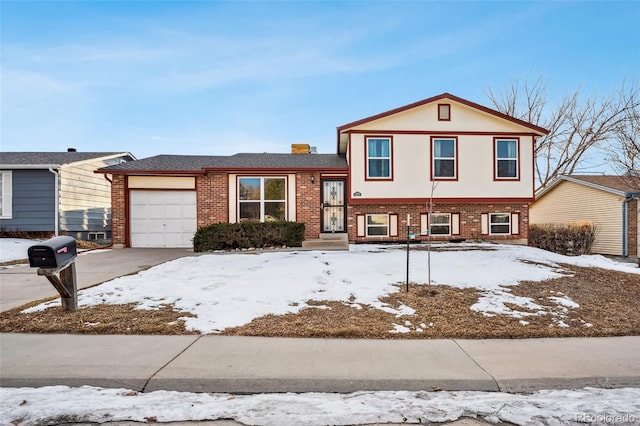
(56, 260)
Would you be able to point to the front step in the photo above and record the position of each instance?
(327, 242)
(335, 236)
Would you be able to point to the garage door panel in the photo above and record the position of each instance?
(162, 218)
(175, 210)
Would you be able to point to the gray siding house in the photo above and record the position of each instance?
(57, 193)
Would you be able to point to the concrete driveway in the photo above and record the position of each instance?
(21, 284)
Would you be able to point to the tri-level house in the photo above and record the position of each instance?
(471, 167)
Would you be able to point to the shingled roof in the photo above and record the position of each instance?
(626, 184)
(51, 158)
(246, 161)
(619, 185)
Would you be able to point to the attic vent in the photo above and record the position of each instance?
(72, 150)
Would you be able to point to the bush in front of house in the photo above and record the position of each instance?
(231, 236)
(569, 239)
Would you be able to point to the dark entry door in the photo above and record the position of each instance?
(334, 205)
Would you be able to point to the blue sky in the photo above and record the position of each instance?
(213, 77)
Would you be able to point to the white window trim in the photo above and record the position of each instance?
(7, 194)
(491, 215)
(454, 158)
(367, 226)
(516, 159)
(262, 200)
(431, 224)
(388, 158)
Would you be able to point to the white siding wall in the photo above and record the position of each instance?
(85, 198)
(572, 202)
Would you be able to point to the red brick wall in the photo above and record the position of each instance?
(212, 198)
(118, 210)
(632, 232)
(308, 203)
(470, 219)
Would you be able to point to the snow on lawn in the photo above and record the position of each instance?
(228, 290)
(14, 248)
(61, 404)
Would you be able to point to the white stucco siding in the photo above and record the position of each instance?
(571, 202)
(411, 158)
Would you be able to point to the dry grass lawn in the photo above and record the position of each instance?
(609, 306)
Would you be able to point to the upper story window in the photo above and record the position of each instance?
(379, 158)
(444, 112)
(5, 195)
(444, 158)
(506, 158)
(262, 199)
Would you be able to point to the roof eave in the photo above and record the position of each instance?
(29, 166)
(275, 169)
(151, 172)
(561, 178)
(540, 130)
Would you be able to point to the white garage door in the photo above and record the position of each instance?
(162, 218)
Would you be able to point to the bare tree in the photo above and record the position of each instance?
(626, 159)
(576, 126)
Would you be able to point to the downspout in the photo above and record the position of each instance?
(56, 198)
(625, 222)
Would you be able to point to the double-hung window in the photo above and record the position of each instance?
(506, 158)
(440, 224)
(5, 195)
(444, 161)
(377, 225)
(262, 199)
(379, 158)
(499, 223)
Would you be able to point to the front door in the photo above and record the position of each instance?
(334, 206)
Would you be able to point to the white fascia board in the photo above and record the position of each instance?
(29, 166)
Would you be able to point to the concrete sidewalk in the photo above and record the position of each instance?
(255, 364)
(21, 284)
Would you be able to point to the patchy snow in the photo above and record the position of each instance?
(228, 290)
(564, 301)
(15, 248)
(62, 404)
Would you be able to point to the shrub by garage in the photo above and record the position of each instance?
(231, 236)
(569, 239)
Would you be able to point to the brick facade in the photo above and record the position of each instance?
(632, 232)
(118, 210)
(470, 219)
(213, 198)
(308, 202)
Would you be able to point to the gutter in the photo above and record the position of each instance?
(625, 222)
(56, 192)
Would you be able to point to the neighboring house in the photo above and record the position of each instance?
(57, 193)
(610, 202)
(477, 162)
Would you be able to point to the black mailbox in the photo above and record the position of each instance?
(53, 253)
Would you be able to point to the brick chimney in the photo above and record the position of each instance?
(300, 148)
